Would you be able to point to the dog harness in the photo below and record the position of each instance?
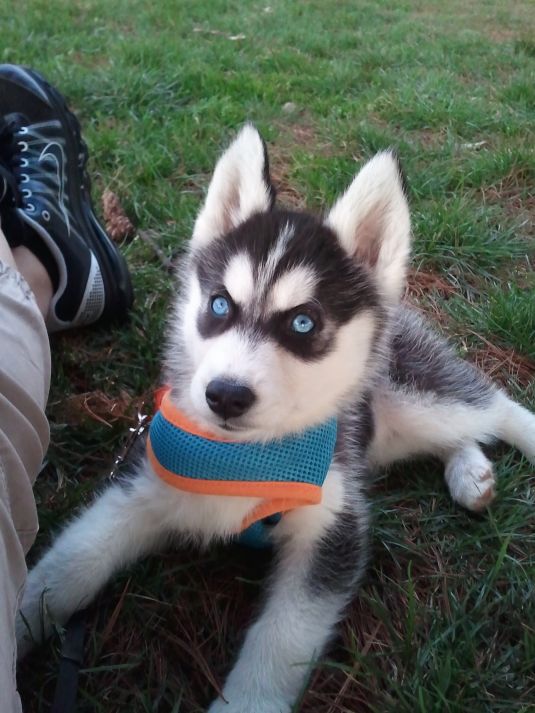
(285, 473)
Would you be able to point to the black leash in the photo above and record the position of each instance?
(72, 650)
(71, 659)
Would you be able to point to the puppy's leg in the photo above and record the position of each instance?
(470, 477)
(516, 425)
(126, 521)
(411, 423)
(432, 402)
(317, 574)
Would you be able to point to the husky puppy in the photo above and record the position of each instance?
(302, 315)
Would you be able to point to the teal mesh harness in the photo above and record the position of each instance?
(278, 470)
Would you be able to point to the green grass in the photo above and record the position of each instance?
(446, 619)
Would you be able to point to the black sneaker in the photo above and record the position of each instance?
(9, 189)
(45, 203)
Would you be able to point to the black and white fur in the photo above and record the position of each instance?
(397, 389)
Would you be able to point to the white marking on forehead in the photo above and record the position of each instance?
(268, 267)
(238, 278)
(278, 251)
(293, 288)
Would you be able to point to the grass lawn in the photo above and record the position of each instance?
(446, 618)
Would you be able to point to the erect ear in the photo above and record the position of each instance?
(372, 222)
(240, 187)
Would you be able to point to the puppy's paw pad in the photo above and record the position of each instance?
(484, 492)
(471, 483)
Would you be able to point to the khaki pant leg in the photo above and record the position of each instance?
(24, 434)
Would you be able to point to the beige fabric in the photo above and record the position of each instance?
(24, 433)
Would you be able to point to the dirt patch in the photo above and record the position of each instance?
(90, 59)
(281, 153)
(194, 184)
(514, 193)
(450, 17)
(303, 135)
(511, 185)
(425, 292)
(421, 282)
(297, 131)
(429, 138)
(503, 364)
(299, 134)
(98, 406)
(286, 194)
(501, 35)
(426, 137)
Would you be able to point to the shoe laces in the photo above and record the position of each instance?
(32, 159)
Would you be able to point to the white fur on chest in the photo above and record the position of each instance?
(208, 517)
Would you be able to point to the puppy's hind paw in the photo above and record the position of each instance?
(470, 478)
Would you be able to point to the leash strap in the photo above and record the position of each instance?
(71, 658)
(72, 650)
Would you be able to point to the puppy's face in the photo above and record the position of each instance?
(277, 321)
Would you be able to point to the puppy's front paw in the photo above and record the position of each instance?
(470, 478)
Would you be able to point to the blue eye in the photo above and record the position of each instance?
(302, 324)
(220, 306)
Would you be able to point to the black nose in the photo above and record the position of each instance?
(228, 399)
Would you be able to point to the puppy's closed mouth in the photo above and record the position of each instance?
(229, 426)
(233, 428)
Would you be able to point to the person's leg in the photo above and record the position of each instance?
(33, 271)
(24, 382)
(6, 253)
(35, 274)
(58, 269)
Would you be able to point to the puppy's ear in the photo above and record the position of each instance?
(240, 187)
(372, 222)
